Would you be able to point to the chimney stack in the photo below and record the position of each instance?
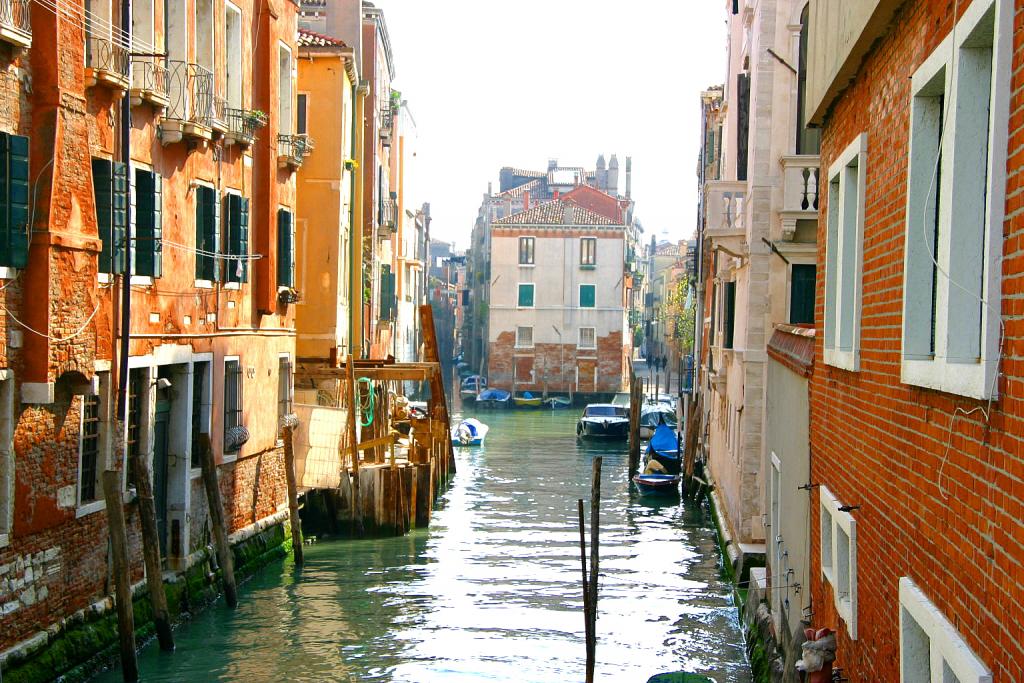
(601, 174)
(526, 200)
(629, 178)
(613, 177)
(567, 213)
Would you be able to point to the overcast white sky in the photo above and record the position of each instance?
(494, 83)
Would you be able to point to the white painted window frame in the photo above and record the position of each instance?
(232, 63)
(592, 264)
(976, 377)
(206, 404)
(230, 457)
(844, 254)
(579, 340)
(286, 90)
(83, 509)
(204, 284)
(518, 343)
(518, 242)
(947, 650)
(833, 523)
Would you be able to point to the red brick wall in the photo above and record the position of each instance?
(881, 444)
(554, 366)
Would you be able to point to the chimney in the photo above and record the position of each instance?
(526, 200)
(629, 177)
(552, 164)
(601, 174)
(554, 194)
(613, 177)
(488, 187)
(567, 213)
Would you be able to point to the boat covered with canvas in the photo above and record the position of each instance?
(663, 448)
(469, 432)
(527, 400)
(493, 398)
(654, 414)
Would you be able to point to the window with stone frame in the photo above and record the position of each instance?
(524, 337)
(931, 647)
(588, 251)
(588, 338)
(526, 255)
(89, 466)
(232, 398)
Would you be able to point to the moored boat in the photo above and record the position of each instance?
(493, 398)
(555, 402)
(664, 448)
(527, 400)
(469, 432)
(472, 385)
(603, 420)
(664, 484)
(654, 414)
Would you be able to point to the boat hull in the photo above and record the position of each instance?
(597, 429)
(527, 402)
(657, 484)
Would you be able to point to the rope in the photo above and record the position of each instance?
(366, 407)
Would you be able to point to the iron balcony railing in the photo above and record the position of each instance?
(388, 212)
(243, 123)
(149, 76)
(293, 149)
(106, 58)
(190, 87)
(219, 113)
(15, 14)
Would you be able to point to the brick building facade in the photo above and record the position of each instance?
(208, 177)
(917, 398)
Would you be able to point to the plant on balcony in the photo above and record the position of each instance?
(256, 118)
(351, 164)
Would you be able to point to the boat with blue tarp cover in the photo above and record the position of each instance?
(664, 449)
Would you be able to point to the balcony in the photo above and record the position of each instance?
(106, 64)
(800, 182)
(292, 150)
(242, 125)
(725, 208)
(190, 112)
(219, 114)
(15, 26)
(149, 82)
(386, 219)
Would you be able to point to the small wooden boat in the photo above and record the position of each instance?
(556, 402)
(472, 385)
(527, 400)
(664, 448)
(664, 484)
(469, 432)
(493, 398)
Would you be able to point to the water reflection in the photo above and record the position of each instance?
(491, 591)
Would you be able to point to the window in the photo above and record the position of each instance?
(843, 253)
(955, 202)
(801, 294)
(524, 337)
(808, 140)
(233, 45)
(388, 303)
(232, 400)
(588, 251)
(839, 557)
(285, 249)
(237, 270)
(138, 394)
(729, 314)
(200, 409)
(142, 35)
(526, 251)
(14, 228)
(742, 123)
(284, 75)
(110, 188)
(588, 338)
(204, 21)
(6, 457)
(148, 235)
(301, 112)
(89, 451)
(526, 295)
(207, 235)
(931, 648)
(284, 388)
(587, 295)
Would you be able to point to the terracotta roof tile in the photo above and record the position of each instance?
(793, 347)
(518, 190)
(554, 213)
(524, 172)
(311, 39)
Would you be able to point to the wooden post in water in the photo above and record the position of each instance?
(293, 496)
(634, 422)
(437, 395)
(151, 554)
(595, 530)
(220, 533)
(357, 513)
(122, 584)
(586, 589)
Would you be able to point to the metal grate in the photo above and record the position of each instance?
(232, 397)
(103, 54)
(90, 448)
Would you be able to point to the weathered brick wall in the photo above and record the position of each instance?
(554, 366)
(881, 444)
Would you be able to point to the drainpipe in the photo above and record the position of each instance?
(355, 331)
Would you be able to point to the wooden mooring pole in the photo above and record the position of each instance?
(151, 554)
(586, 585)
(595, 531)
(635, 403)
(220, 533)
(293, 497)
(122, 584)
(357, 511)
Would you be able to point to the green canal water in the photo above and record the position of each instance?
(490, 592)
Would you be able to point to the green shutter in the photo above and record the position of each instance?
(207, 237)
(119, 208)
(148, 224)
(14, 227)
(101, 183)
(801, 295)
(587, 296)
(387, 293)
(238, 238)
(285, 255)
(526, 296)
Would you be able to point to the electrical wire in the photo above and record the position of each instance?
(85, 19)
(212, 254)
(58, 340)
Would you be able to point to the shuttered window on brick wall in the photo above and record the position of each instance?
(801, 295)
(285, 249)
(14, 228)
(237, 270)
(729, 315)
(207, 234)
(149, 258)
(110, 187)
(387, 293)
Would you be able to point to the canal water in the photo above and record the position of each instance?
(491, 591)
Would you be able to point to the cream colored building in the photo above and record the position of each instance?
(758, 235)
